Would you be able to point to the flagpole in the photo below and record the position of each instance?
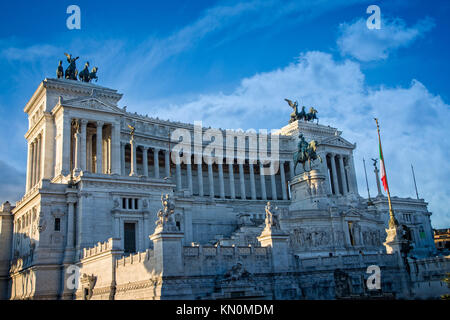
(415, 185)
(391, 212)
(367, 183)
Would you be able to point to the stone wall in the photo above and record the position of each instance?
(427, 275)
(6, 234)
(98, 269)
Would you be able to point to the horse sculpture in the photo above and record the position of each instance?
(87, 76)
(306, 153)
(93, 74)
(311, 115)
(84, 74)
(71, 71)
(295, 115)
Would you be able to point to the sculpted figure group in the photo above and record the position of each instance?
(71, 72)
(302, 115)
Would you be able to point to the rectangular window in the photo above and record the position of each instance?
(57, 224)
(129, 237)
(350, 232)
(136, 204)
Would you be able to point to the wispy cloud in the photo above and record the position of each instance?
(29, 54)
(365, 44)
(237, 18)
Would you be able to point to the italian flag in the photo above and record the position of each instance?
(383, 172)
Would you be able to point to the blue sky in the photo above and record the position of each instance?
(231, 63)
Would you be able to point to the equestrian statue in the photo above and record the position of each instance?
(306, 153)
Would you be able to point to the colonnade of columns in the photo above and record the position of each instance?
(34, 162)
(340, 176)
(339, 171)
(223, 180)
(95, 147)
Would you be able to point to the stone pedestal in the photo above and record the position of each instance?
(278, 241)
(308, 191)
(167, 246)
(395, 244)
(133, 163)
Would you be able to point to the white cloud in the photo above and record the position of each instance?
(413, 121)
(365, 44)
(31, 53)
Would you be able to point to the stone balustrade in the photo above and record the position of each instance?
(100, 248)
(138, 257)
(343, 261)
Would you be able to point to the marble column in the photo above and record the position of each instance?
(334, 173)
(29, 165)
(273, 184)
(116, 225)
(324, 171)
(211, 179)
(283, 180)
(200, 175)
(133, 157)
(65, 146)
(252, 180)
(107, 155)
(122, 157)
(145, 160)
(99, 150)
(242, 181)
(189, 176)
(231, 179)
(167, 163)
(156, 162)
(115, 149)
(33, 161)
(38, 159)
(343, 177)
(146, 225)
(352, 175)
(70, 243)
(221, 182)
(77, 154)
(89, 152)
(83, 147)
(263, 182)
